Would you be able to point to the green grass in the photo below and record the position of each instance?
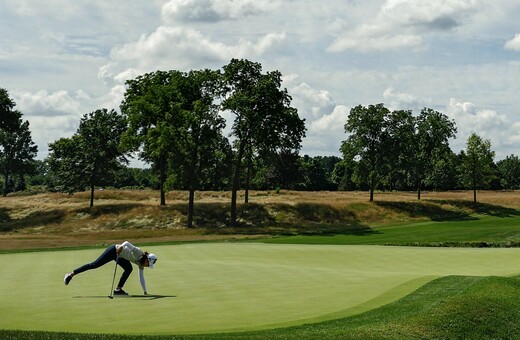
(473, 230)
(336, 283)
(454, 307)
(218, 287)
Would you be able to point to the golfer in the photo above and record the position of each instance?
(124, 254)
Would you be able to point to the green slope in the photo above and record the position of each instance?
(494, 230)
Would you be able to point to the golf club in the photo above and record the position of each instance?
(111, 296)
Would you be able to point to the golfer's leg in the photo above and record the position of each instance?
(127, 266)
(108, 255)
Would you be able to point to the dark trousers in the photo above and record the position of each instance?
(108, 255)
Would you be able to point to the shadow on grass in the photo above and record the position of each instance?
(448, 210)
(287, 219)
(142, 297)
(34, 219)
(435, 212)
(481, 208)
(56, 216)
(4, 215)
(109, 209)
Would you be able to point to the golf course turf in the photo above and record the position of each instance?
(224, 287)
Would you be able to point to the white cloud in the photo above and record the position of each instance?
(55, 103)
(403, 101)
(437, 15)
(514, 43)
(311, 103)
(113, 98)
(325, 119)
(331, 123)
(214, 10)
(365, 41)
(53, 115)
(182, 48)
(488, 124)
(325, 134)
(403, 23)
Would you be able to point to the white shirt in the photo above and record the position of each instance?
(133, 254)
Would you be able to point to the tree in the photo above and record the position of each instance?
(283, 170)
(314, 175)
(433, 131)
(92, 156)
(264, 120)
(216, 175)
(8, 116)
(368, 143)
(443, 175)
(401, 134)
(199, 133)
(152, 105)
(509, 172)
(343, 175)
(39, 177)
(477, 164)
(328, 163)
(66, 171)
(17, 149)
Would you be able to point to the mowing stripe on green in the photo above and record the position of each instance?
(204, 288)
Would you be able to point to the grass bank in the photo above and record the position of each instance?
(59, 220)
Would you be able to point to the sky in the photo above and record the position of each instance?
(62, 59)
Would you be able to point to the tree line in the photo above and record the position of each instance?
(174, 122)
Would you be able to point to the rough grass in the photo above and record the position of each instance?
(50, 219)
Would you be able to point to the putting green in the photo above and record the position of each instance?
(202, 288)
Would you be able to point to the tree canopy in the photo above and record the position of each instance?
(91, 157)
(368, 143)
(17, 149)
(476, 170)
(264, 122)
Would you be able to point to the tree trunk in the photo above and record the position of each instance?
(192, 186)
(248, 180)
(236, 184)
(91, 196)
(371, 185)
(6, 183)
(191, 208)
(474, 189)
(162, 179)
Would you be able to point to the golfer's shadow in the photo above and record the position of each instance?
(147, 297)
(142, 297)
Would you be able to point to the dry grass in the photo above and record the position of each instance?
(53, 219)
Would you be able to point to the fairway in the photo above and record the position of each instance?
(217, 287)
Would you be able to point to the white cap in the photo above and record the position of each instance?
(152, 258)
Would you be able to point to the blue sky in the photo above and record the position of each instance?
(62, 59)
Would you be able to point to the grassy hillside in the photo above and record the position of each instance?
(58, 220)
(453, 307)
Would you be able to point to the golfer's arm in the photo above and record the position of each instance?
(141, 279)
